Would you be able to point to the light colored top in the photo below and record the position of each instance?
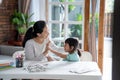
(34, 51)
(73, 57)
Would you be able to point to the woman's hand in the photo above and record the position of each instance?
(49, 58)
(47, 48)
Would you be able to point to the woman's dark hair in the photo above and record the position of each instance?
(73, 42)
(32, 31)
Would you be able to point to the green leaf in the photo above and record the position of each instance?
(79, 17)
(71, 8)
(22, 30)
(20, 19)
(62, 0)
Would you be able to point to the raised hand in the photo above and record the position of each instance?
(46, 49)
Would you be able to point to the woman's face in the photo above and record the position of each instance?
(45, 32)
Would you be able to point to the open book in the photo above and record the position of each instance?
(4, 64)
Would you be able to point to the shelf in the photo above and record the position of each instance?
(15, 43)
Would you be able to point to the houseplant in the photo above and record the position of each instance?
(21, 22)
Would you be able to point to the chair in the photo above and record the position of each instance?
(86, 56)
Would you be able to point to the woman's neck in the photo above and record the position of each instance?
(39, 40)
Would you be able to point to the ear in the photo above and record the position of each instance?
(72, 47)
(38, 34)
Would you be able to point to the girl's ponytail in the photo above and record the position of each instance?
(79, 53)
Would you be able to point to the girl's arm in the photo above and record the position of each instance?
(58, 53)
(54, 47)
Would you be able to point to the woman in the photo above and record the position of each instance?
(36, 42)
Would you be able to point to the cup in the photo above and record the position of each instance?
(19, 62)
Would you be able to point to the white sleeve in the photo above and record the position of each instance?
(54, 47)
(30, 52)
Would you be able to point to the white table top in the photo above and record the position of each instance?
(56, 70)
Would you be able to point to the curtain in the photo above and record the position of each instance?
(38, 8)
(24, 5)
(0, 1)
(92, 32)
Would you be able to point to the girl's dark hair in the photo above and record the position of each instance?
(32, 31)
(73, 42)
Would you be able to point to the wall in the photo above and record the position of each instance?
(7, 30)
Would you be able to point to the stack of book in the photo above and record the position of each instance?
(6, 64)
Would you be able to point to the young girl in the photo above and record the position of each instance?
(71, 46)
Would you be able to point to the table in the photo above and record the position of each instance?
(56, 70)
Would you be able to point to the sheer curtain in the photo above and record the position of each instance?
(92, 32)
(37, 7)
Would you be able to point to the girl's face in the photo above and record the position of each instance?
(67, 47)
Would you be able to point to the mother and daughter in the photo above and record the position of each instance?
(37, 44)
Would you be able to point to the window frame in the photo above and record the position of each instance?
(66, 22)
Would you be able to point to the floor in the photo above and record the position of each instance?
(107, 62)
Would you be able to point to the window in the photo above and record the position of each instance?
(66, 19)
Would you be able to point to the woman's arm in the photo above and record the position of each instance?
(49, 58)
(46, 48)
